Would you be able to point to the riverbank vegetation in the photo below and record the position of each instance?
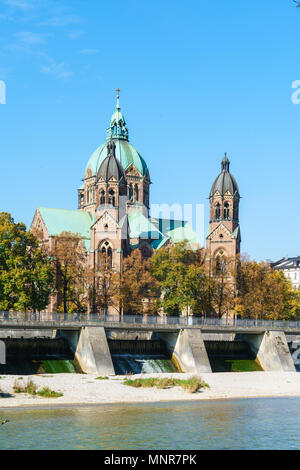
(192, 385)
(176, 279)
(31, 389)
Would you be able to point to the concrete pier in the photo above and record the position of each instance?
(271, 351)
(2, 353)
(188, 351)
(93, 353)
(91, 350)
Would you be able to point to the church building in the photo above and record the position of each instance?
(113, 216)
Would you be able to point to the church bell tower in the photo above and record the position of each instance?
(224, 237)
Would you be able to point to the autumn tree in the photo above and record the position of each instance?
(222, 285)
(181, 274)
(262, 292)
(102, 287)
(26, 274)
(293, 304)
(136, 291)
(72, 275)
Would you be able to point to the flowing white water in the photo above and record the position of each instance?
(142, 364)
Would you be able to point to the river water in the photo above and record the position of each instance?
(263, 423)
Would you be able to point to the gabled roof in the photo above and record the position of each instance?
(221, 225)
(61, 220)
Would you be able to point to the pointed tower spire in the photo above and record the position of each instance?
(118, 97)
(117, 128)
(225, 163)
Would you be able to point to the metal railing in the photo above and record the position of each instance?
(96, 319)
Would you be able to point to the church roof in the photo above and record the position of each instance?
(176, 230)
(111, 168)
(141, 227)
(61, 220)
(125, 152)
(225, 181)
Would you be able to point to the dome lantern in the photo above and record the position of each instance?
(117, 128)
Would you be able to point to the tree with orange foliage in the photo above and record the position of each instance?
(136, 291)
(71, 272)
(262, 292)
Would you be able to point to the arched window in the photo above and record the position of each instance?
(130, 192)
(102, 197)
(235, 212)
(220, 263)
(136, 192)
(146, 197)
(105, 255)
(111, 197)
(217, 211)
(226, 210)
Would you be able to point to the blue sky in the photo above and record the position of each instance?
(197, 78)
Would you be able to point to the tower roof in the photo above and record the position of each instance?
(125, 153)
(117, 128)
(111, 168)
(225, 182)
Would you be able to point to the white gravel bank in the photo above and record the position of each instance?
(85, 389)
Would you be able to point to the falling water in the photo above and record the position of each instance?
(142, 364)
(140, 357)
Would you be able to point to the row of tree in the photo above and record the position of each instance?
(175, 279)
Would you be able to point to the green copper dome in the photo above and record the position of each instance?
(125, 152)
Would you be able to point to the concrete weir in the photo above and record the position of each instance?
(188, 350)
(186, 346)
(91, 350)
(272, 351)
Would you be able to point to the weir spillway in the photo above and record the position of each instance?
(140, 357)
(27, 356)
(109, 351)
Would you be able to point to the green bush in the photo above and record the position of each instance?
(31, 389)
(46, 392)
(192, 385)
